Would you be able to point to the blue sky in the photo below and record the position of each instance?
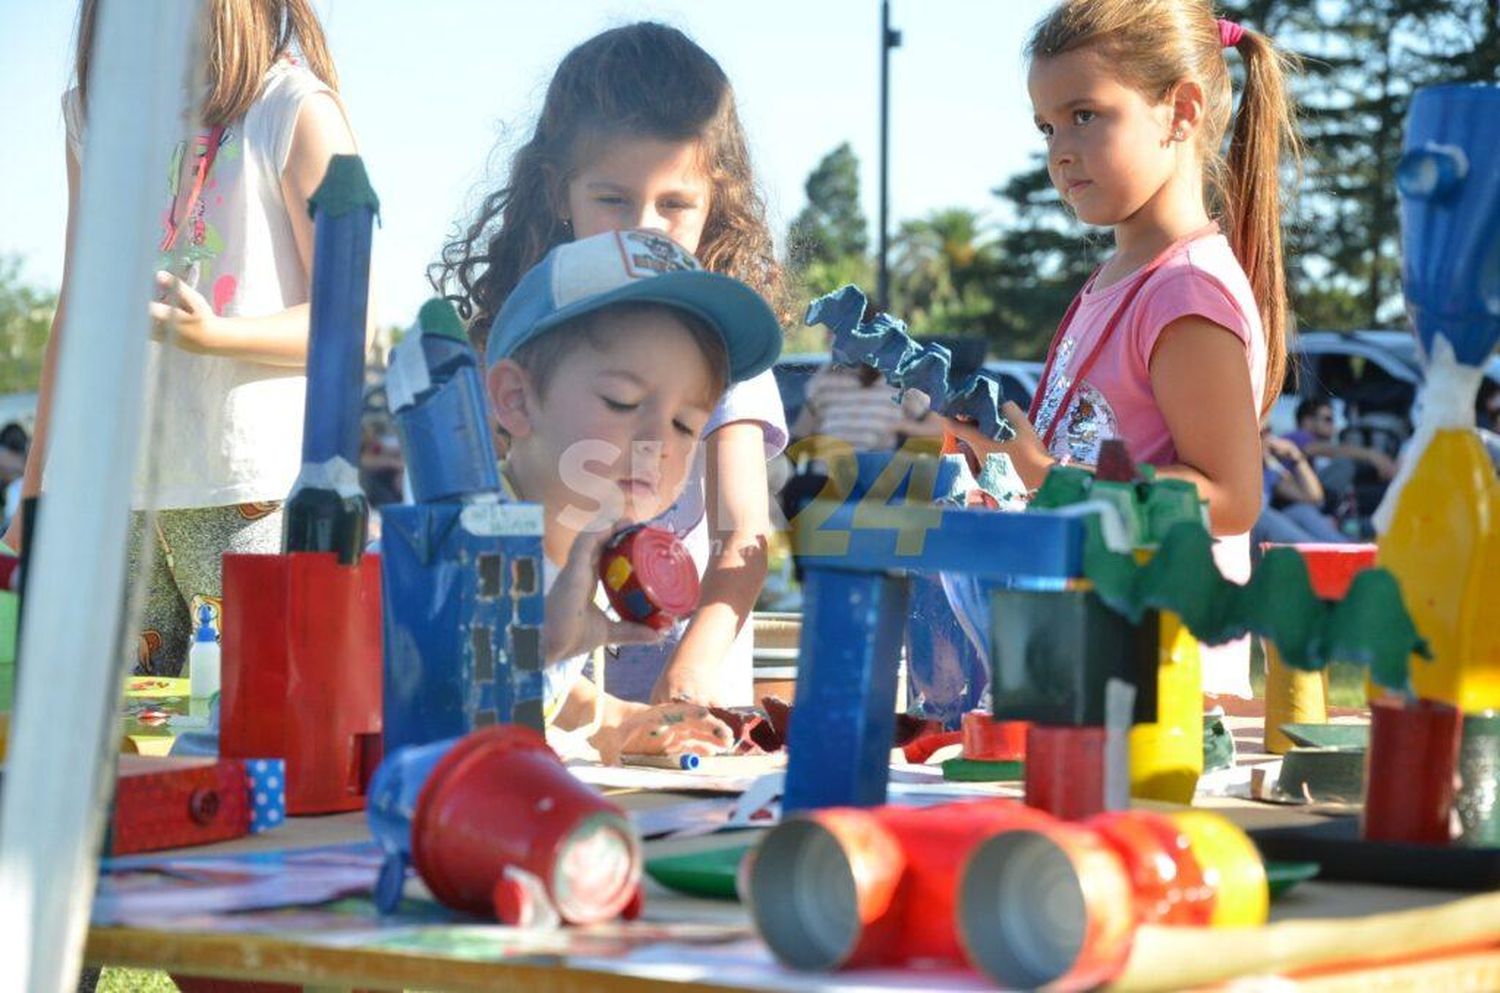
(434, 86)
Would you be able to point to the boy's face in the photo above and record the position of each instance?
(617, 426)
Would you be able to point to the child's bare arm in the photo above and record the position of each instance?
(1202, 386)
(36, 455)
(739, 521)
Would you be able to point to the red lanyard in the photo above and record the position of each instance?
(1087, 365)
(200, 176)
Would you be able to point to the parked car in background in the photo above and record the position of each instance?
(1019, 379)
(793, 373)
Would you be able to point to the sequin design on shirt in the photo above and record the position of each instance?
(1088, 421)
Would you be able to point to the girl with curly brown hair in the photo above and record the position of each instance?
(639, 130)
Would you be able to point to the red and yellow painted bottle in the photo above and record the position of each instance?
(1443, 544)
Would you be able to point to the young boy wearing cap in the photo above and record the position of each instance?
(604, 365)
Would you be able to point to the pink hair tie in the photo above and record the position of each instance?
(1230, 33)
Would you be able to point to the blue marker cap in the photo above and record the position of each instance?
(688, 762)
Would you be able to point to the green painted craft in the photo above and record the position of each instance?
(345, 186)
(1064, 486)
(1218, 744)
(437, 316)
(961, 770)
(708, 873)
(1369, 627)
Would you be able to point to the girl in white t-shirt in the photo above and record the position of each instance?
(639, 130)
(230, 318)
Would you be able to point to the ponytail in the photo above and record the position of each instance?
(1264, 132)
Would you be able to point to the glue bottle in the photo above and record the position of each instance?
(203, 657)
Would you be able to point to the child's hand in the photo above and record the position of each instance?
(671, 729)
(1026, 450)
(197, 327)
(575, 625)
(686, 683)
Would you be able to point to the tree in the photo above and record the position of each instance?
(941, 272)
(25, 319)
(831, 228)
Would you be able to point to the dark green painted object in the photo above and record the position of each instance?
(1218, 744)
(708, 873)
(1369, 627)
(1053, 653)
(1323, 775)
(962, 770)
(345, 186)
(1329, 735)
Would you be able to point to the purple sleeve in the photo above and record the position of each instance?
(1184, 292)
(757, 399)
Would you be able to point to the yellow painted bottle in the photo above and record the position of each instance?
(1443, 544)
(1166, 755)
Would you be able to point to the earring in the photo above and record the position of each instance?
(1178, 134)
(567, 223)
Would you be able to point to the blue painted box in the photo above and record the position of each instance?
(463, 619)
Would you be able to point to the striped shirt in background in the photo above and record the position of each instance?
(868, 418)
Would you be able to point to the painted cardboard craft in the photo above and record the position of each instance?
(301, 673)
(162, 803)
(326, 511)
(882, 343)
(463, 619)
(495, 824)
(433, 387)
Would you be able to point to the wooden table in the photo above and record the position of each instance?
(726, 956)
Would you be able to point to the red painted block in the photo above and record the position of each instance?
(165, 802)
(301, 648)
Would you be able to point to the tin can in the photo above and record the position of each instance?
(1479, 780)
(1046, 906)
(989, 740)
(1409, 771)
(649, 576)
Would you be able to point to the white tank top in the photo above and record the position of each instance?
(224, 431)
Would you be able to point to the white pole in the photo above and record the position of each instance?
(66, 724)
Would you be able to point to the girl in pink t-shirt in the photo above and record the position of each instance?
(1178, 343)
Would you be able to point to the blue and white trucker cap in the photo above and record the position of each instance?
(645, 266)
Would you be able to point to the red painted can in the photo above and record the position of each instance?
(850, 888)
(990, 740)
(1410, 768)
(649, 576)
(500, 801)
(1331, 568)
(1167, 880)
(1065, 770)
(1047, 906)
(301, 673)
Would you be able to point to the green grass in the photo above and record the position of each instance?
(117, 980)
